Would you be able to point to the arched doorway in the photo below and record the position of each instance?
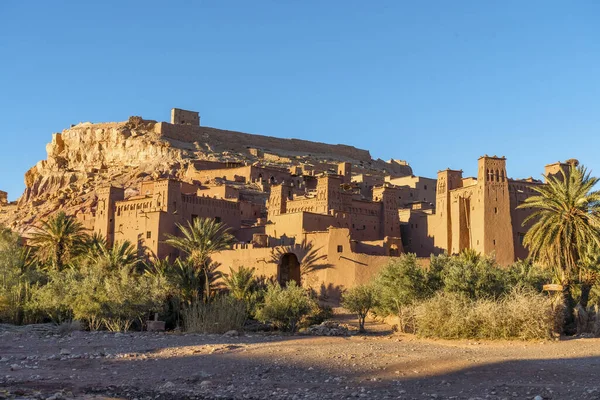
(289, 269)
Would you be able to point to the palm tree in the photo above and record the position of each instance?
(470, 256)
(241, 282)
(121, 256)
(564, 223)
(59, 239)
(189, 281)
(589, 272)
(198, 241)
(95, 242)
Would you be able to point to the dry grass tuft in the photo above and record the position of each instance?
(68, 327)
(222, 314)
(521, 314)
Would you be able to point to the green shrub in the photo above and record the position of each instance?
(360, 300)
(285, 307)
(318, 313)
(99, 297)
(17, 277)
(222, 314)
(54, 300)
(526, 274)
(399, 286)
(520, 314)
(478, 276)
(129, 297)
(475, 277)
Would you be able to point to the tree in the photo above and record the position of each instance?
(475, 276)
(240, 283)
(17, 275)
(360, 300)
(399, 285)
(122, 255)
(244, 285)
(59, 240)
(198, 241)
(565, 222)
(189, 282)
(285, 306)
(589, 271)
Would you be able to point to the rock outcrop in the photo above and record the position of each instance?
(87, 156)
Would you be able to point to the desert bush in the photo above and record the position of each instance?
(399, 286)
(478, 276)
(475, 277)
(68, 327)
(285, 307)
(17, 276)
(129, 298)
(520, 314)
(318, 313)
(114, 298)
(222, 314)
(360, 300)
(54, 299)
(529, 275)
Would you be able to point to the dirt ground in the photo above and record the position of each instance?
(380, 365)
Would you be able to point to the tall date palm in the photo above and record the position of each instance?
(565, 223)
(565, 220)
(198, 241)
(58, 240)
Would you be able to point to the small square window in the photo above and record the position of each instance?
(148, 235)
(340, 249)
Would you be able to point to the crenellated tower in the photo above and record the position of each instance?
(104, 223)
(389, 220)
(447, 181)
(278, 198)
(495, 235)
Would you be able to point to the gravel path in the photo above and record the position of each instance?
(260, 366)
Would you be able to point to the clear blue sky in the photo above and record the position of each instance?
(437, 83)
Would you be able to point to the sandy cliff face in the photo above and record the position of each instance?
(87, 156)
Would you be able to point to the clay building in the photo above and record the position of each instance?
(354, 234)
(238, 172)
(422, 189)
(355, 221)
(474, 213)
(146, 218)
(185, 117)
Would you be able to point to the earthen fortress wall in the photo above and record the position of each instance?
(242, 142)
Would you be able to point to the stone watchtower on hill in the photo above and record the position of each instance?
(184, 117)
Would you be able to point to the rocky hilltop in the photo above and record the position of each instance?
(91, 155)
